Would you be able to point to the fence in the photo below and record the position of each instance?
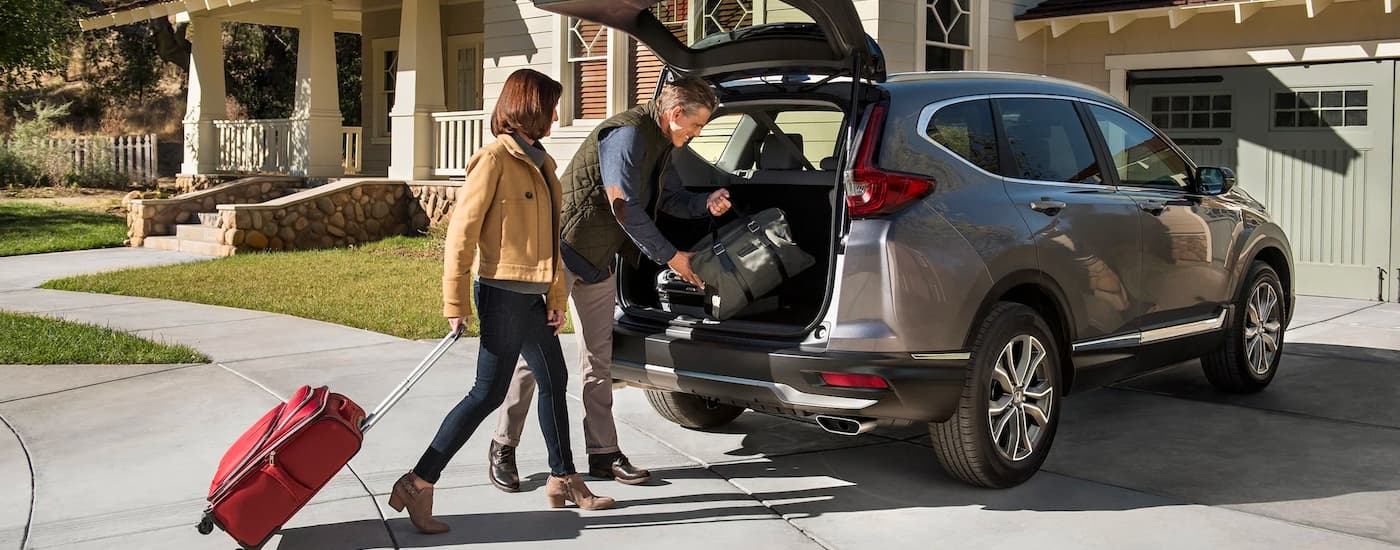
(132, 156)
(456, 136)
(254, 145)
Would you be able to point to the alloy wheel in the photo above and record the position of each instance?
(1262, 328)
(1021, 397)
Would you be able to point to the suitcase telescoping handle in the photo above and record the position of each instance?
(418, 372)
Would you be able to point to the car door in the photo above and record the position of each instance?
(1085, 231)
(1186, 235)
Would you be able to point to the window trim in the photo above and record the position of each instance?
(1111, 182)
(975, 36)
(382, 110)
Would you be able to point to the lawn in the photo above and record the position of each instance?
(31, 340)
(392, 286)
(30, 228)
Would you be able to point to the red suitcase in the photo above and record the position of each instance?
(275, 468)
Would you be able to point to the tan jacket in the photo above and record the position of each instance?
(505, 225)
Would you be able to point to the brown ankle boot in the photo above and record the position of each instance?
(419, 503)
(571, 488)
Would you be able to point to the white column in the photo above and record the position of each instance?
(419, 91)
(205, 102)
(1118, 84)
(316, 117)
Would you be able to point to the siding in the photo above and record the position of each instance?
(1005, 52)
(1079, 54)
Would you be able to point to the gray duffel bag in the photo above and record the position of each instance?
(747, 259)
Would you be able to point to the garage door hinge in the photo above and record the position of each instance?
(1380, 284)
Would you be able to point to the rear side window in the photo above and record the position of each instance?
(966, 129)
(1047, 141)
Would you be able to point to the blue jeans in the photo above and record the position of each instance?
(512, 324)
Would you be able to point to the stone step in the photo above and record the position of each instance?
(198, 232)
(210, 219)
(182, 245)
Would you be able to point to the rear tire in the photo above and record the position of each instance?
(1010, 405)
(692, 411)
(1249, 358)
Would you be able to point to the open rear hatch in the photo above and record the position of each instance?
(828, 60)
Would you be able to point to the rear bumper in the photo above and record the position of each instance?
(786, 380)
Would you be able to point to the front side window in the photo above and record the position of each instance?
(1047, 141)
(966, 129)
(1141, 157)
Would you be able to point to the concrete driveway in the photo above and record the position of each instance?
(121, 456)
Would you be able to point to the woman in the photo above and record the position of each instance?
(505, 228)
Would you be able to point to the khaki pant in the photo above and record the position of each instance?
(592, 307)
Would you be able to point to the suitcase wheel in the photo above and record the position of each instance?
(206, 523)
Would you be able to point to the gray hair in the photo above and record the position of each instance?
(688, 93)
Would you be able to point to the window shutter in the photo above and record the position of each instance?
(588, 54)
(646, 67)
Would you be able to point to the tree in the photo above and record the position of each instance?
(37, 37)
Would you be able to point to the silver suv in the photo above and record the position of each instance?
(986, 244)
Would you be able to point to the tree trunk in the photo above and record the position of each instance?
(171, 43)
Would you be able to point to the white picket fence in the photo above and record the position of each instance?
(254, 145)
(133, 156)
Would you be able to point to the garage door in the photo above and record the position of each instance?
(1315, 143)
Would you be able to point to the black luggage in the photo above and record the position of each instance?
(745, 260)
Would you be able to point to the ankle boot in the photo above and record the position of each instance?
(571, 488)
(502, 472)
(419, 503)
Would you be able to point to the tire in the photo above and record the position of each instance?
(965, 444)
(1249, 358)
(692, 411)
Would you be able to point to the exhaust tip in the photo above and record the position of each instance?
(842, 425)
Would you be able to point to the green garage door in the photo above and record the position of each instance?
(1315, 143)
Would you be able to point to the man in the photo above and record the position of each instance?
(618, 177)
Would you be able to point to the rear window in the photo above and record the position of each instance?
(773, 140)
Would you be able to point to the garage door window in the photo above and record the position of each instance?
(1201, 112)
(1320, 108)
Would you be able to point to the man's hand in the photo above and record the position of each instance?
(556, 320)
(680, 263)
(718, 203)
(458, 324)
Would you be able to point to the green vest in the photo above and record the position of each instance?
(587, 220)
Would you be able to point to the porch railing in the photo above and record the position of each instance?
(254, 145)
(351, 138)
(456, 136)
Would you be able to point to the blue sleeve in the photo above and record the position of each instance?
(620, 153)
(677, 201)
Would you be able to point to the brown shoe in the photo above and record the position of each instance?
(419, 502)
(616, 466)
(502, 472)
(571, 488)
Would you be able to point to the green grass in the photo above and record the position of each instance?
(27, 228)
(392, 286)
(31, 340)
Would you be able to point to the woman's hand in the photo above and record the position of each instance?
(458, 324)
(556, 320)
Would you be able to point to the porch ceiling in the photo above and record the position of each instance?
(1060, 16)
(282, 13)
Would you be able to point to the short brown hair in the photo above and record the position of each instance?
(688, 93)
(526, 104)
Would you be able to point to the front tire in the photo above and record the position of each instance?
(1010, 405)
(692, 411)
(1248, 360)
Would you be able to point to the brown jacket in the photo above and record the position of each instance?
(508, 211)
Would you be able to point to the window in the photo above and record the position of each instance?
(464, 81)
(966, 129)
(645, 66)
(588, 68)
(740, 142)
(946, 36)
(719, 16)
(1047, 141)
(1141, 157)
(1320, 109)
(385, 81)
(1179, 112)
(816, 132)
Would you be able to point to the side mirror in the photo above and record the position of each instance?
(1215, 180)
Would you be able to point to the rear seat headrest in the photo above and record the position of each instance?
(774, 154)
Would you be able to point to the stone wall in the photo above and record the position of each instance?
(434, 202)
(148, 217)
(343, 213)
(189, 183)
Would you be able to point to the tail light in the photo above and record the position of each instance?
(847, 380)
(871, 191)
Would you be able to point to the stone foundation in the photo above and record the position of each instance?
(434, 203)
(340, 214)
(189, 183)
(148, 217)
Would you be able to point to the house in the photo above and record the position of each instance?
(1299, 96)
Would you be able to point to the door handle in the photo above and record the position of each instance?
(1048, 207)
(1153, 207)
